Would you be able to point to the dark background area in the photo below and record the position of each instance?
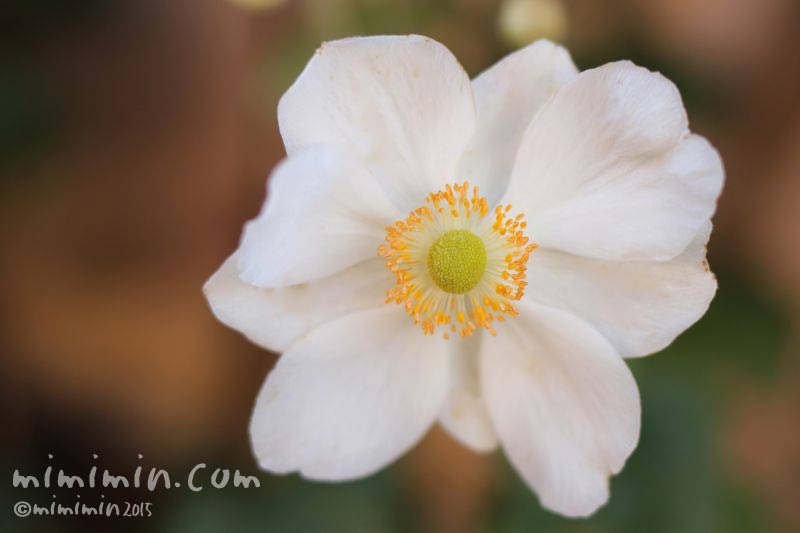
(135, 140)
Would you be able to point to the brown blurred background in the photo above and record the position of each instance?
(135, 139)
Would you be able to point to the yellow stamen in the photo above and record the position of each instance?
(453, 264)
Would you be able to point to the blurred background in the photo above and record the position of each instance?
(135, 140)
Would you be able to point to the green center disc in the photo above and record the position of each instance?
(457, 260)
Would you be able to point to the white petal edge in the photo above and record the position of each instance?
(403, 104)
(464, 415)
(275, 318)
(323, 213)
(640, 306)
(564, 404)
(507, 96)
(350, 397)
(608, 169)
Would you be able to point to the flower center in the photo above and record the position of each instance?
(457, 260)
(456, 266)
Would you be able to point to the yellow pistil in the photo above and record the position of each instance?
(456, 266)
(457, 261)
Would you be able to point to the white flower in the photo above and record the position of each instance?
(381, 134)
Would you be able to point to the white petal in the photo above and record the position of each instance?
(275, 318)
(323, 213)
(464, 415)
(507, 96)
(697, 249)
(401, 103)
(564, 405)
(640, 306)
(607, 168)
(350, 397)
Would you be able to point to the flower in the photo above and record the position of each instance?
(521, 21)
(483, 254)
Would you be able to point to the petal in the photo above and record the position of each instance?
(697, 249)
(607, 168)
(401, 103)
(640, 306)
(507, 96)
(564, 405)
(464, 415)
(350, 397)
(323, 213)
(275, 318)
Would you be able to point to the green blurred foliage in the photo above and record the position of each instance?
(32, 109)
(292, 505)
(27, 115)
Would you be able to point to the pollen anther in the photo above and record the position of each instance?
(454, 265)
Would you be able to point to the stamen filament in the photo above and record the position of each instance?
(454, 285)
